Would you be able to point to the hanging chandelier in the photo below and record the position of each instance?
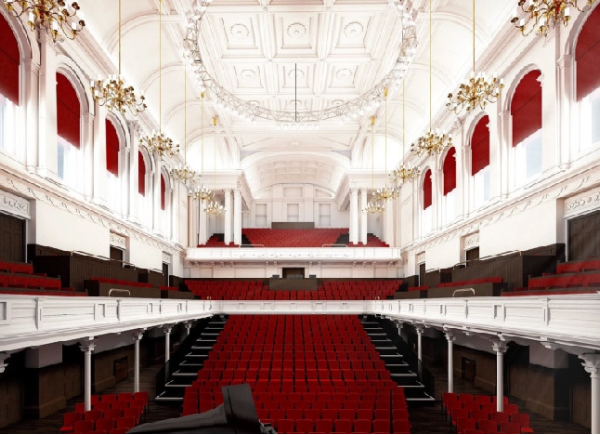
(54, 15)
(478, 91)
(212, 206)
(157, 142)
(373, 206)
(386, 193)
(433, 142)
(350, 109)
(184, 174)
(114, 94)
(542, 14)
(201, 193)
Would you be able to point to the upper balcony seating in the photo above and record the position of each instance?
(329, 290)
(19, 278)
(307, 373)
(293, 238)
(121, 282)
(216, 241)
(372, 242)
(12, 267)
(495, 279)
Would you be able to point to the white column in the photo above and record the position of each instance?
(237, 217)
(174, 215)
(499, 347)
(134, 148)
(203, 225)
(167, 331)
(87, 347)
(500, 171)
(188, 328)
(566, 117)
(389, 222)
(193, 210)
(420, 331)
(227, 230)
(156, 210)
(99, 155)
(437, 196)
(137, 336)
(364, 219)
(354, 215)
(591, 365)
(3, 364)
(30, 120)
(450, 337)
(47, 126)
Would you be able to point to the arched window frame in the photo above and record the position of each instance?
(166, 194)
(479, 139)
(145, 198)
(449, 184)
(426, 208)
(117, 185)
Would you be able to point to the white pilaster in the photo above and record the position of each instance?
(33, 98)
(388, 215)
(364, 219)
(156, 210)
(203, 225)
(591, 364)
(137, 336)
(237, 217)
(354, 216)
(87, 347)
(188, 328)
(193, 210)
(499, 347)
(565, 96)
(227, 238)
(99, 155)
(47, 126)
(134, 148)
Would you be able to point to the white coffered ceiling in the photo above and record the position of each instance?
(326, 52)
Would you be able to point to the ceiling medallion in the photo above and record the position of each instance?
(354, 30)
(295, 74)
(349, 109)
(343, 74)
(296, 30)
(239, 31)
(248, 75)
(336, 103)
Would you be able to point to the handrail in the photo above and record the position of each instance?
(118, 290)
(334, 245)
(102, 257)
(489, 257)
(463, 290)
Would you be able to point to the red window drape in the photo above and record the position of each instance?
(141, 174)
(68, 111)
(427, 190)
(587, 55)
(9, 63)
(480, 146)
(112, 149)
(526, 107)
(163, 189)
(450, 171)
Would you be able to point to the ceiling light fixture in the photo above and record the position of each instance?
(54, 15)
(432, 142)
(350, 109)
(157, 142)
(478, 91)
(404, 172)
(113, 93)
(545, 13)
(373, 206)
(386, 193)
(201, 193)
(184, 174)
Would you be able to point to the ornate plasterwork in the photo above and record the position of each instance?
(421, 257)
(292, 74)
(585, 202)
(296, 30)
(166, 257)
(248, 75)
(343, 74)
(239, 31)
(354, 30)
(471, 241)
(118, 240)
(14, 205)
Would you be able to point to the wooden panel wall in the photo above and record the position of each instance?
(12, 238)
(12, 391)
(152, 277)
(584, 237)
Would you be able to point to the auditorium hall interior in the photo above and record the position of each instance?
(300, 216)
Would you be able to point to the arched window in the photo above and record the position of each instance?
(449, 169)
(526, 112)
(113, 184)
(587, 57)
(427, 190)
(9, 86)
(427, 213)
(480, 161)
(144, 200)
(163, 189)
(68, 129)
(141, 174)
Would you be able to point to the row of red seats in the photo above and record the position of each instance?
(308, 345)
(579, 266)
(418, 288)
(372, 242)
(214, 242)
(306, 363)
(61, 293)
(293, 238)
(558, 281)
(341, 426)
(495, 279)
(14, 267)
(29, 281)
(121, 282)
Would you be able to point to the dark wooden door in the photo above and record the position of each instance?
(165, 270)
(584, 237)
(116, 253)
(293, 272)
(422, 274)
(473, 254)
(12, 238)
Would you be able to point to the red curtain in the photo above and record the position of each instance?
(68, 111)
(526, 107)
(9, 63)
(162, 192)
(112, 149)
(141, 174)
(480, 146)
(587, 55)
(427, 193)
(450, 171)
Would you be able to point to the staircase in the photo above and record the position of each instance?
(404, 369)
(183, 366)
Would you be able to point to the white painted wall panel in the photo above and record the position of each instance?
(445, 254)
(144, 256)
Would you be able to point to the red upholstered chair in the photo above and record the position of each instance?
(458, 413)
(105, 424)
(524, 421)
(285, 426)
(473, 431)
(295, 414)
(69, 420)
(313, 414)
(500, 417)
(462, 424)
(381, 426)
(362, 426)
(510, 427)
(324, 426)
(329, 414)
(119, 430)
(343, 426)
(304, 426)
(347, 414)
(113, 413)
(102, 406)
(108, 398)
(83, 426)
(125, 423)
(125, 396)
(401, 426)
(93, 415)
(488, 426)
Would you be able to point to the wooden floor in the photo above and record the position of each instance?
(429, 419)
(53, 423)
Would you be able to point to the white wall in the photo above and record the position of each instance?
(445, 254)
(144, 256)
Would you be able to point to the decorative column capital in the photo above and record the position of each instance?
(354, 191)
(3, 357)
(166, 329)
(499, 346)
(591, 363)
(227, 191)
(420, 329)
(87, 345)
(188, 324)
(137, 334)
(450, 336)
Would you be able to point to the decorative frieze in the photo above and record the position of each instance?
(471, 241)
(14, 205)
(585, 202)
(118, 241)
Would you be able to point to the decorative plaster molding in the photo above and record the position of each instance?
(471, 241)
(585, 202)
(14, 205)
(118, 240)
(166, 257)
(421, 257)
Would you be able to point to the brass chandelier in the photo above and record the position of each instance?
(433, 142)
(212, 206)
(54, 15)
(478, 91)
(404, 172)
(386, 193)
(157, 142)
(184, 174)
(373, 206)
(201, 193)
(542, 14)
(114, 94)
